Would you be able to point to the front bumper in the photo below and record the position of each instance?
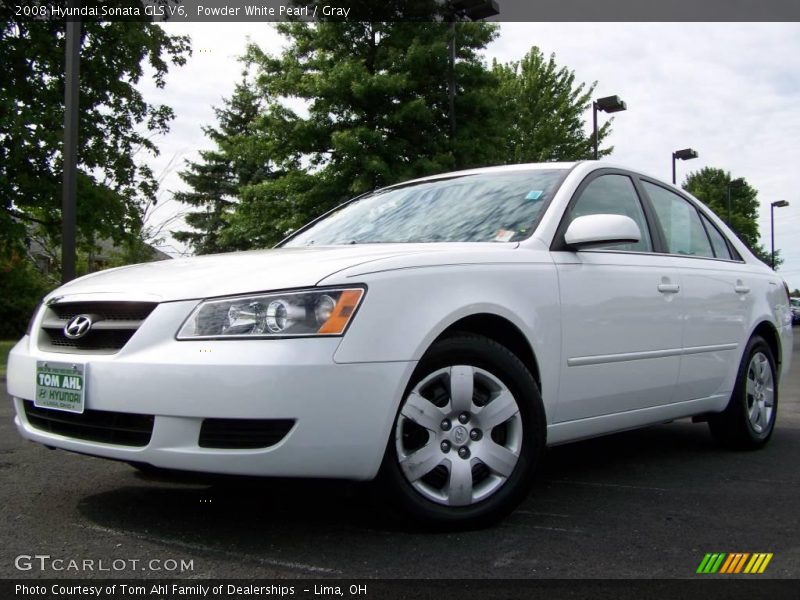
(343, 413)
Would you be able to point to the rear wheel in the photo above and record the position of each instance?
(467, 436)
(749, 420)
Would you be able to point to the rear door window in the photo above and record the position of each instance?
(717, 239)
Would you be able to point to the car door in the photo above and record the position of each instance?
(715, 290)
(620, 310)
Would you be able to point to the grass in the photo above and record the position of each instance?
(5, 348)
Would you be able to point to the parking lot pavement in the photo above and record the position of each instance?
(642, 504)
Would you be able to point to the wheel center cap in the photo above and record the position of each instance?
(460, 435)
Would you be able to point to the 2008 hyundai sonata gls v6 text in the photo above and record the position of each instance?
(437, 334)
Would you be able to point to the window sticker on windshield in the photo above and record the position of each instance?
(534, 195)
(503, 235)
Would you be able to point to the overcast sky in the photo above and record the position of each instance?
(730, 91)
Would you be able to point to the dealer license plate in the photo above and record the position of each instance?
(60, 386)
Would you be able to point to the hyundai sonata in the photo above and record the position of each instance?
(436, 335)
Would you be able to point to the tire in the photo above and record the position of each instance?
(749, 419)
(478, 478)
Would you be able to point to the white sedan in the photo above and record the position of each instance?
(436, 335)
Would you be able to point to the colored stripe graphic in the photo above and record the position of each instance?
(703, 563)
(727, 564)
(755, 562)
(711, 562)
(765, 563)
(716, 564)
(735, 562)
(740, 563)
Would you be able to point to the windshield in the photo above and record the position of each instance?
(484, 207)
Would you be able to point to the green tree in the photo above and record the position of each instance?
(21, 288)
(348, 107)
(711, 186)
(216, 180)
(116, 125)
(374, 111)
(544, 111)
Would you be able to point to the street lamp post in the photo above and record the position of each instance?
(685, 154)
(609, 104)
(474, 10)
(776, 204)
(451, 77)
(734, 184)
(72, 43)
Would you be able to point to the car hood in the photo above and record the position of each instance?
(246, 272)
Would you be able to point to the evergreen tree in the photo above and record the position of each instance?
(544, 110)
(216, 180)
(348, 107)
(375, 111)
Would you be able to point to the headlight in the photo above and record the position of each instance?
(290, 314)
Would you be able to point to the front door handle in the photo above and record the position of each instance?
(669, 288)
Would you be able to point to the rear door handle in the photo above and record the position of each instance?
(669, 288)
(739, 288)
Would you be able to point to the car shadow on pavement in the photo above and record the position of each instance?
(656, 446)
(175, 503)
(180, 505)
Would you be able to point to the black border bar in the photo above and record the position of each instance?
(706, 587)
(218, 11)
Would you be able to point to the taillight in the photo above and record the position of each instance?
(788, 293)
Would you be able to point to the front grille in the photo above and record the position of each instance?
(121, 429)
(107, 311)
(113, 324)
(243, 433)
(111, 340)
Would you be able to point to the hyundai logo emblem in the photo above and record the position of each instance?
(78, 327)
(460, 435)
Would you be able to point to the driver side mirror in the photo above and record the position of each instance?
(601, 230)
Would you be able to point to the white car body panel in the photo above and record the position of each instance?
(612, 351)
(184, 382)
(241, 272)
(599, 331)
(703, 283)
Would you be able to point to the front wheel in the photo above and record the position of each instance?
(749, 420)
(467, 436)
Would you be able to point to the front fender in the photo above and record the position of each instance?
(405, 310)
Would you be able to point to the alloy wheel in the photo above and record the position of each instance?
(459, 435)
(760, 390)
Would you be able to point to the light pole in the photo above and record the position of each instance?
(609, 104)
(685, 154)
(474, 10)
(72, 48)
(734, 184)
(778, 204)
